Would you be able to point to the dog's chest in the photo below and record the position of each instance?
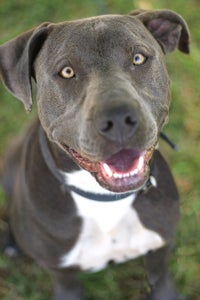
(111, 231)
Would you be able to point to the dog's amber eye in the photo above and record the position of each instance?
(67, 72)
(139, 59)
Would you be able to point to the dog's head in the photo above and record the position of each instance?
(102, 88)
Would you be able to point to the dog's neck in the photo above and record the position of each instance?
(70, 184)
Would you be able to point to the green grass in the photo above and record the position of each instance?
(20, 278)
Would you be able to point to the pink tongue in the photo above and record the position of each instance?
(124, 161)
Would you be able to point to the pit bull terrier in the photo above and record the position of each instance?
(87, 183)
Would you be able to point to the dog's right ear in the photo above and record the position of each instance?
(16, 62)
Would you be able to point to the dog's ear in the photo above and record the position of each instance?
(167, 27)
(16, 62)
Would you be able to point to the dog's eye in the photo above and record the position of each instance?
(67, 72)
(139, 59)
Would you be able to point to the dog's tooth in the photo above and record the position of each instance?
(119, 176)
(135, 172)
(140, 163)
(107, 170)
(126, 175)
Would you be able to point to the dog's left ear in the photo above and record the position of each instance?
(16, 62)
(167, 27)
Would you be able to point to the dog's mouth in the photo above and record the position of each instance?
(126, 170)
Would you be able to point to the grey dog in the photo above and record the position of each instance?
(87, 182)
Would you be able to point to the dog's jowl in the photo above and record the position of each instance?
(87, 183)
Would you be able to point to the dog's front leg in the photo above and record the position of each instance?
(160, 283)
(67, 285)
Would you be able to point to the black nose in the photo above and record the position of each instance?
(117, 124)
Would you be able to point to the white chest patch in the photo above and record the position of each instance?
(111, 231)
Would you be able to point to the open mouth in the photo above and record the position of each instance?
(126, 170)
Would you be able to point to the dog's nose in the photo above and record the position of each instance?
(117, 124)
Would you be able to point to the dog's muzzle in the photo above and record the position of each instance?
(127, 170)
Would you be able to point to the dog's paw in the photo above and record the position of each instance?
(8, 245)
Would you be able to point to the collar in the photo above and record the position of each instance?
(50, 162)
(168, 141)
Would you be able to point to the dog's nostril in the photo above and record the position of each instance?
(107, 126)
(129, 120)
(118, 124)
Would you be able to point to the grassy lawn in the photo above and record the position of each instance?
(20, 278)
